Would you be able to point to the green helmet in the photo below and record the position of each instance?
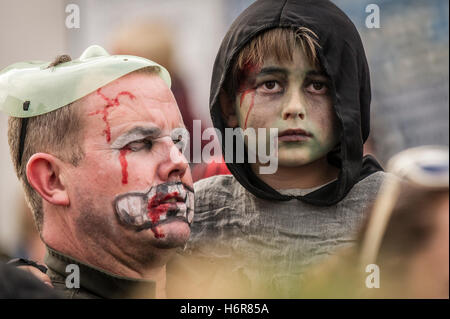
(33, 88)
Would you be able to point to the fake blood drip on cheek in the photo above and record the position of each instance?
(156, 207)
(107, 131)
(247, 71)
(124, 164)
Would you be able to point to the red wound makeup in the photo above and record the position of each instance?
(124, 164)
(245, 89)
(109, 103)
(247, 71)
(252, 103)
(162, 204)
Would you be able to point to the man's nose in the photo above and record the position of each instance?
(173, 165)
(294, 107)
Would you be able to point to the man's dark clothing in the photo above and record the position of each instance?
(94, 282)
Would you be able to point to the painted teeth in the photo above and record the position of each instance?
(190, 217)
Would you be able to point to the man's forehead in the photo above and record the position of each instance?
(143, 98)
(147, 85)
(135, 92)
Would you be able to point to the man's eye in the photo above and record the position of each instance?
(270, 87)
(139, 145)
(317, 87)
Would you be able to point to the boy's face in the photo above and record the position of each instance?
(293, 97)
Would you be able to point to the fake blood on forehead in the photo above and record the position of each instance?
(104, 111)
(110, 103)
(156, 207)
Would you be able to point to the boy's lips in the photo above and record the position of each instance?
(294, 135)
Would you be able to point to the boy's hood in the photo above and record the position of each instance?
(343, 58)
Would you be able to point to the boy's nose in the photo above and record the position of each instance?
(294, 108)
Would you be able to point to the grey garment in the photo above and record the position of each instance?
(270, 242)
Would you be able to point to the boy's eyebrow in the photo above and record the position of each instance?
(273, 69)
(136, 133)
(316, 72)
(284, 71)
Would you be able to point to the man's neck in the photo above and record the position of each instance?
(307, 176)
(110, 258)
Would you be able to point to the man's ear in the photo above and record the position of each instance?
(228, 110)
(44, 175)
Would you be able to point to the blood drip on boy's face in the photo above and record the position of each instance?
(245, 86)
(157, 207)
(252, 103)
(248, 70)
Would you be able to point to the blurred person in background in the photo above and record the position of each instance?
(406, 235)
(30, 244)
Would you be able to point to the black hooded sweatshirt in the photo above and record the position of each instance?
(342, 57)
(246, 233)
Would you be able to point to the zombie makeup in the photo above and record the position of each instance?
(109, 103)
(139, 138)
(293, 97)
(136, 134)
(161, 204)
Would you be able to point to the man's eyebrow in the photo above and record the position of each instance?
(136, 133)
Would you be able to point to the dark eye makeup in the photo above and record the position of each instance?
(136, 146)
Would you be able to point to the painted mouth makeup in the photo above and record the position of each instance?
(294, 135)
(162, 204)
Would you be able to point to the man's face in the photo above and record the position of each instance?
(128, 188)
(293, 97)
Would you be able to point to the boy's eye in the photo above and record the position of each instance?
(317, 87)
(269, 87)
(139, 145)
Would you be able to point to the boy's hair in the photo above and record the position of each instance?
(59, 132)
(279, 43)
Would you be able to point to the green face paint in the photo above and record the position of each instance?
(33, 88)
(292, 97)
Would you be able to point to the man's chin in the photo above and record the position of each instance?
(169, 235)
